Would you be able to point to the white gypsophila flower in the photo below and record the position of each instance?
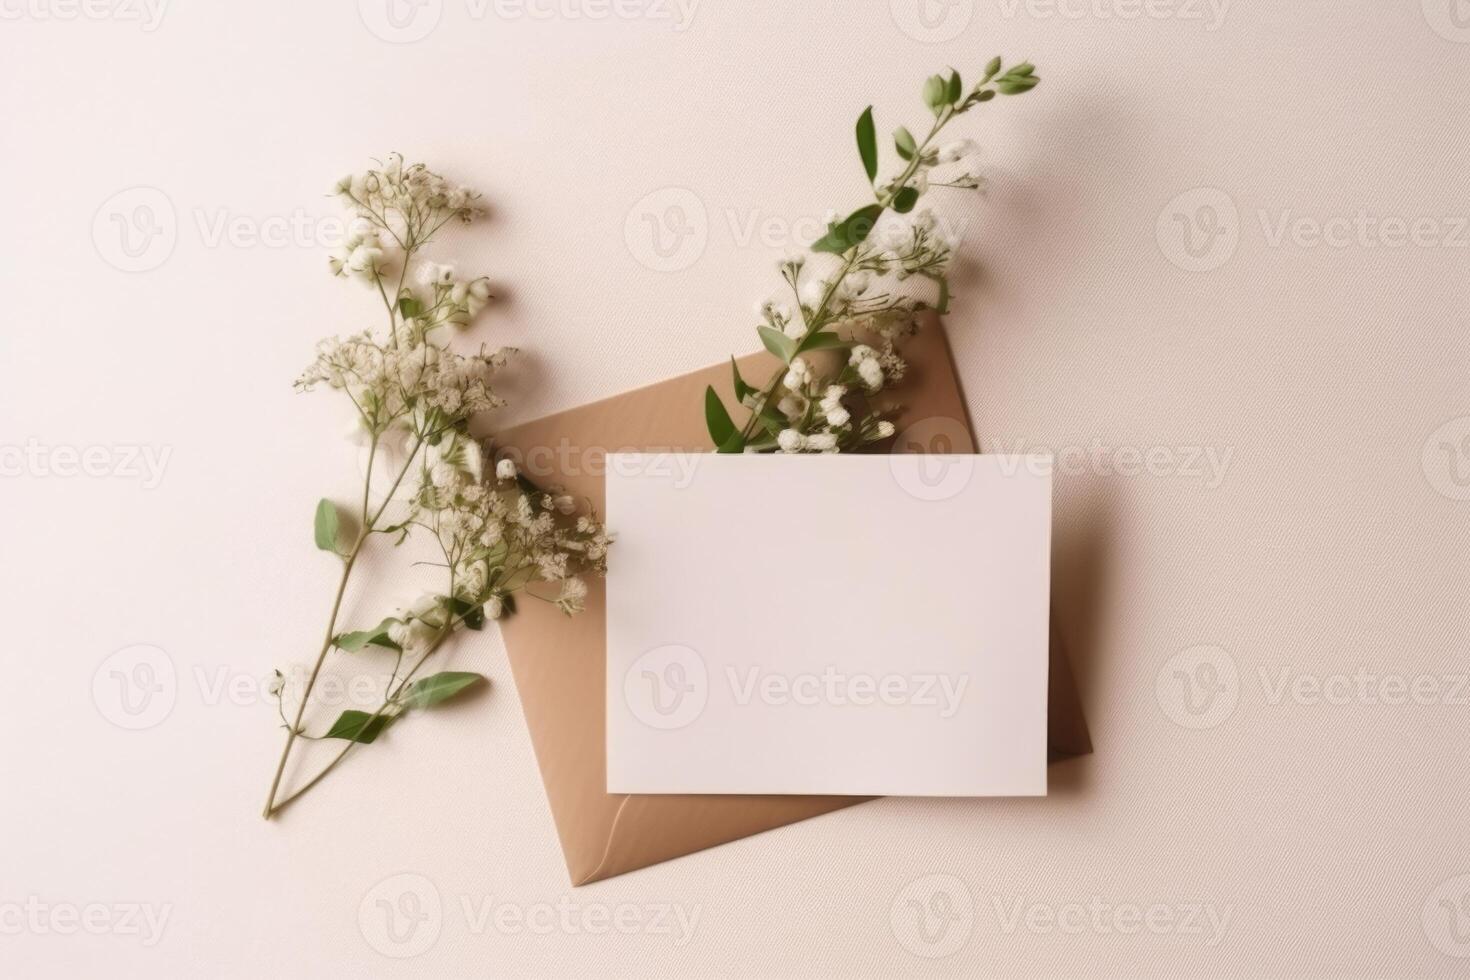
(420, 635)
(798, 373)
(885, 429)
(433, 274)
(461, 453)
(573, 595)
(790, 441)
(860, 352)
(565, 504)
(425, 605)
(471, 579)
(822, 442)
(923, 220)
(791, 406)
(812, 291)
(837, 416)
(959, 149)
(364, 261)
(871, 372)
(851, 287)
(505, 469)
(443, 476)
(494, 607)
(477, 296)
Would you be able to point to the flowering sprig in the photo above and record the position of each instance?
(499, 534)
(845, 290)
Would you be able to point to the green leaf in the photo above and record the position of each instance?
(327, 524)
(936, 93)
(953, 86)
(429, 691)
(867, 142)
(860, 223)
(822, 340)
(734, 444)
(1024, 68)
(742, 390)
(716, 419)
(409, 306)
(359, 726)
(777, 343)
(772, 419)
(985, 96)
(991, 68)
(1015, 86)
(905, 199)
(903, 142)
(850, 231)
(471, 614)
(375, 637)
(835, 241)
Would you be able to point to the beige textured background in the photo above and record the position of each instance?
(1272, 649)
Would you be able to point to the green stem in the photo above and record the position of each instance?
(295, 730)
(369, 524)
(390, 696)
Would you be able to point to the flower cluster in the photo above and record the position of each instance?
(500, 535)
(421, 387)
(397, 208)
(413, 397)
(847, 292)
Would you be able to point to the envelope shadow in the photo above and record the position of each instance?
(1081, 577)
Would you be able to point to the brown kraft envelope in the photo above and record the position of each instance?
(559, 663)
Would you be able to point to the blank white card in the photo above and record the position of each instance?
(836, 624)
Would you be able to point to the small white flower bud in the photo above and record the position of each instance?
(959, 149)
